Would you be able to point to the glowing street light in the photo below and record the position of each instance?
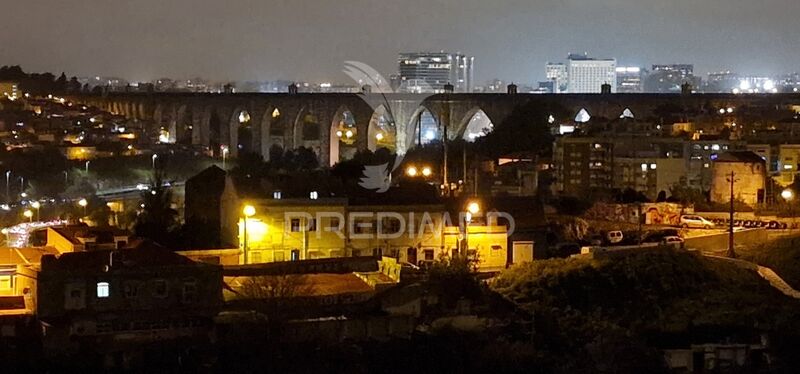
(225, 150)
(411, 171)
(28, 214)
(426, 171)
(248, 212)
(474, 207)
(83, 203)
(155, 156)
(379, 136)
(787, 194)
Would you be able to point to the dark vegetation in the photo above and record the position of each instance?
(628, 307)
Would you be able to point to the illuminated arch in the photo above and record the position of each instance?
(423, 118)
(272, 131)
(583, 116)
(343, 140)
(382, 130)
(475, 124)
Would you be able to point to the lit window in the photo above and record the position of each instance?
(653, 166)
(295, 225)
(276, 195)
(103, 290)
(5, 282)
(313, 195)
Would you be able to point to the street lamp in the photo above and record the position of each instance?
(248, 211)
(788, 195)
(8, 177)
(426, 171)
(473, 208)
(28, 214)
(87, 167)
(155, 156)
(225, 151)
(36, 205)
(83, 203)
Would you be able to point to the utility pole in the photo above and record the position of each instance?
(419, 129)
(444, 148)
(731, 251)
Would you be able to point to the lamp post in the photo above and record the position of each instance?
(83, 203)
(155, 156)
(87, 167)
(473, 208)
(8, 178)
(28, 214)
(225, 151)
(731, 251)
(36, 205)
(788, 195)
(248, 211)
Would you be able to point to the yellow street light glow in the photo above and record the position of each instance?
(787, 194)
(28, 213)
(349, 134)
(411, 171)
(379, 136)
(83, 202)
(339, 133)
(36, 205)
(473, 207)
(249, 210)
(426, 171)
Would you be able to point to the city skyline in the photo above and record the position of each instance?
(260, 41)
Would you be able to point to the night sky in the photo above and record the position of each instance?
(310, 40)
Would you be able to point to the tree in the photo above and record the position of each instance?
(158, 220)
(527, 128)
(684, 194)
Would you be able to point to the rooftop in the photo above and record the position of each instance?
(740, 156)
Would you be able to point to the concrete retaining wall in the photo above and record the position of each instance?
(719, 242)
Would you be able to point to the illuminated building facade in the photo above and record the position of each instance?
(429, 72)
(629, 79)
(588, 75)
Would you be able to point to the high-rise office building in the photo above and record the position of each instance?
(682, 71)
(556, 72)
(588, 75)
(429, 72)
(668, 78)
(629, 79)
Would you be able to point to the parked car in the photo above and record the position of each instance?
(696, 222)
(614, 237)
(673, 241)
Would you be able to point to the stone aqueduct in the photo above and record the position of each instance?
(282, 119)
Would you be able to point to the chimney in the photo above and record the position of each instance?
(448, 88)
(686, 88)
(605, 88)
(292, 89)
(511, 89)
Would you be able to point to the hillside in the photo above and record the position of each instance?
(629, 306)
